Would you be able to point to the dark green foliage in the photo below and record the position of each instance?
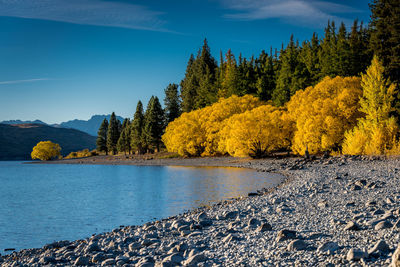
(265, 81)
(113, 134)
(136, 141)
(172, 103)
(153, 125)
(101, 141)
(385, 35)
(124, 141)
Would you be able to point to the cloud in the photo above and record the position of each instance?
(24, 81)
(295, 11)
(86, 12)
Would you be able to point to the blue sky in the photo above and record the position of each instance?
(70, 59)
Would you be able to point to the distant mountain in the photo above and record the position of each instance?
(17, 141)
(90, 126)
(23, 122)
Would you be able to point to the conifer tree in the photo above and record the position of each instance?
(265, 76)
(230, 82)
(153, 124)
(360, 56)
(123, 143)
(101, 141)
(172, 103)
(113, 134)
(343, 56)
(136, 141)
(309, 57)
(189, 86)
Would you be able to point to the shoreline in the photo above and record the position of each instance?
(326, 211)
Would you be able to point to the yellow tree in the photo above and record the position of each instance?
(46, 150)
(323, 114)
(375, 134)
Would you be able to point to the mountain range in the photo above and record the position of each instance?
(17, 140)
(90, 126)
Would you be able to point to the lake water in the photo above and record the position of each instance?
(42, 203)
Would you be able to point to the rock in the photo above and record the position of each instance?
(174, 258)
(322, 204)
(202, 216)
(252, 194)
(92, 247)
(82, 261)
(230, 215)
(379, 248)
(383, 225)
(99, 257)
(150, 228)
(108, 262)
(351, 226)
(253, 222)
(229, 238)
(264, 227)
(47, 260)
(396, 225)
(396, 257)
(285, 235)
(370, 203)
(389, 200)
(297, 245)
(378, 212)
(194, 260)
(134, 246)
(355, 187)
(356, 255)
(328, 246)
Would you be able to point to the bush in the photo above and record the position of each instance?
(46, 150)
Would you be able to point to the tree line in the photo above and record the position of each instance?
(143, 133)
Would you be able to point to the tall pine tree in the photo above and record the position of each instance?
(172, 103)
(136, 130)
(124, 141)
(113, 134)
(153, 125)
(101, 141)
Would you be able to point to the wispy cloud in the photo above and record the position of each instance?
(24, 81)
(86, 12)
(307, 12)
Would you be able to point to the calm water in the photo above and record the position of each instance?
(41, 203)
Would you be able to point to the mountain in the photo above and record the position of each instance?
(23, 122)
(90, 126)
(17, 141)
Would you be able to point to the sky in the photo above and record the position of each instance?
(70, 59)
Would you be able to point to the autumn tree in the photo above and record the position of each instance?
(153, 126)
(375, 134)
(172, 103)
(46, 150)
(323, 114)
(113, 134)
(137, 129)
(101, 141)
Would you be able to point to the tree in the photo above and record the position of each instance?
(46, 150)
(153, 124)
(137, 128)
(230, 82)
(101, 141)
(124, 141)
(189, 86)
(385, 36)
(172, 103)
(265, 76)
(113, 134)
(375, 134)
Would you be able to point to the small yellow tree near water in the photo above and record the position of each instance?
(375, 134)
(46, 150)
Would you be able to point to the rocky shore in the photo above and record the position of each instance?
(341, 211)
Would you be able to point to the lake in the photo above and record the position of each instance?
(42, 203)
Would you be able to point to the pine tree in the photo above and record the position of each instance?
(123, 143)
(343, 66)
(360, 56)
(309, 57)
(113, 134)
(189, 86)
(385, 35)
(101, 141)
(172, 103)
(230, 82)
(136, 129)
(265, 76)
(327, 54)
(153, 125)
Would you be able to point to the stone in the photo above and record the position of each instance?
(134, 246)
(92, 247)
(264, 227)
(328, 246)
(396, 257)
(174, 258)
(383, 225)
(297, 245)
(253, 222)
(230, 215)
(285, 235)
(352, 226)
(108, 262)
(195, 260)
(379, 248)
(229, 238)
(396, 225)
(356, 255)
(99, 257)
(322, 204)
(82, 261)
(47, 260)
(202, 216)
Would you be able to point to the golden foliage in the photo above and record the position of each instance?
(46, 150)
(256, 132)
(323, 114)
(375, 134)
(81, 154)
(196, 133)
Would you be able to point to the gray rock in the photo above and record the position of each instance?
(47, 260)
(285, 235)
(264, 227)
(379, 248)
(396, 257)
(174, 258)
(253, 222)
(356, 255)
(194, 260)
(383, 225)
(297, 245)
(99, 257)
(229, 238)
(108, 262)
(328, 246)
(134, 246)
(201, 216)
(351, 226)
(230, 215)
(82, 261)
